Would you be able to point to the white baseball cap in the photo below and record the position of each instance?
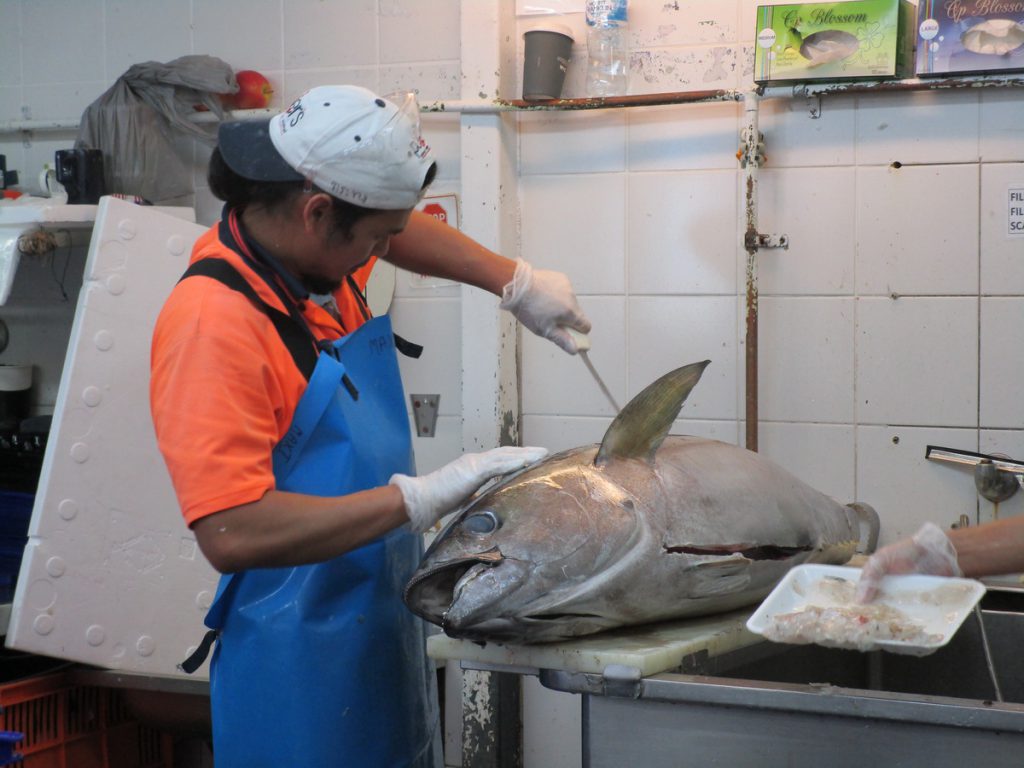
(360, 147)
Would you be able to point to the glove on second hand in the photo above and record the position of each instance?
(432, 496)
(929, 551)
(544, 302)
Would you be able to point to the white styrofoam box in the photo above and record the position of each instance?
(822, 455)
(435, 325)
(572, 142)
(1002, 256)
(319, 34)
(682, 232)
(411, 30)
(559, 433)
(915, 235)
(666, 332)
(1004, 442)
(48, 56)
(806, 360)
(575, 224)
(151, 30)
(1002, 125)
(698, 22)
(432, 81)
(446, 444)
(691, 68)
(254, 38)
(111, 576)
(813, 208)
(1002, 363)
(794, 139)
(917, 127)
(552, 726)
(907, 490)
(554, 383)
(443, 134)
(917, 361)
(684, 137)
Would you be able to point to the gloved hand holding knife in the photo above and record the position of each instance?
(544, 302)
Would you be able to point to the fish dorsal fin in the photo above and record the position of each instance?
(639, 429)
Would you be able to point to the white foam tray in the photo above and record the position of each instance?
(938, 603)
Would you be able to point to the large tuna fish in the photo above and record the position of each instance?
(644, 527)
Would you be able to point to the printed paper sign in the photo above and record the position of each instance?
(1015, 211)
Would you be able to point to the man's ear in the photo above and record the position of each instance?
(317, 212)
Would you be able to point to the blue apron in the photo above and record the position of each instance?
(322, 665)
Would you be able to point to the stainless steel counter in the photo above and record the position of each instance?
(806, 706)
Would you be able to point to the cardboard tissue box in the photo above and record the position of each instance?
(852, 40)
(970, 36)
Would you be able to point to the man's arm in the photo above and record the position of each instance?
(430, 247)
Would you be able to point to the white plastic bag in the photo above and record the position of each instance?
(138, 119)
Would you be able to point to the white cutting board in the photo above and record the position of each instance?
(651, 648)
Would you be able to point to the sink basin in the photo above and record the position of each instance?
(804, 706)
(958, 670)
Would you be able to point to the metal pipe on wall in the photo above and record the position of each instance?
(751, 161)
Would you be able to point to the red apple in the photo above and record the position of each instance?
(254, 91)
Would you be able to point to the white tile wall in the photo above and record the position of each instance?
(812, 207)
(1002, 254)
(905, 489)
(1002, 126)
(922, 127)
(572, 142)
(1002, 364)
(684, 224)
(640, 207)
(668, 332)
(917, 230)
(577, 227)
(794, 138)
(917, 361)
(806, 371)
(821, 455)
(557, 384)
(705, 137)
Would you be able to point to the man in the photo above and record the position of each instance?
(283, 424)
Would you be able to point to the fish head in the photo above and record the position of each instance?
(513, 557)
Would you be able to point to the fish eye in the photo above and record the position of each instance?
(481, 522)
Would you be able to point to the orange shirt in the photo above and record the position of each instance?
(223, 386)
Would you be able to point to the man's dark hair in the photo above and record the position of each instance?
(238, 192)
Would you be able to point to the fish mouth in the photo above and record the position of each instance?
(429, 594)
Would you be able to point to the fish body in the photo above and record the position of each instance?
(643, 527)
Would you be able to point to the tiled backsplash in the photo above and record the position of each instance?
(895, 312)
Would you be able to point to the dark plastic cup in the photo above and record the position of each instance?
(548, 51)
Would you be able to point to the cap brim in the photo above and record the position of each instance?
(249, 152)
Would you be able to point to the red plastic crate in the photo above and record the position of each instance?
(75, 726)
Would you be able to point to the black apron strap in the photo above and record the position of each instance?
(198, 656)
(297, 339)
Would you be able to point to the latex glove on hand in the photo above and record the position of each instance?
(432, 496)
(929, 551)
(545, 303)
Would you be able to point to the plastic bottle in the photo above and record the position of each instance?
(607, 47)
